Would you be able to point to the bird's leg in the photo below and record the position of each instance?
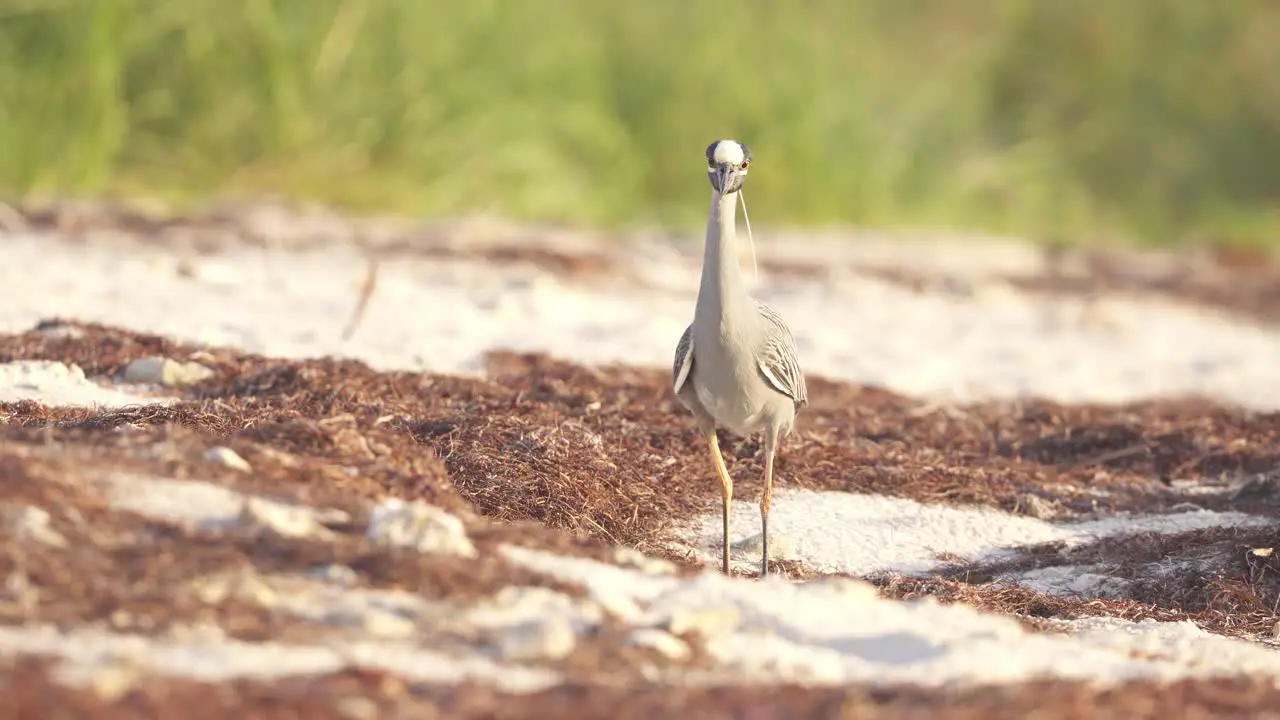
(765, 497)
(726, 483)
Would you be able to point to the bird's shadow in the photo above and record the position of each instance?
(740, 448)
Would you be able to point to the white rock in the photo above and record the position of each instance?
(164, 371)
(1087, 581)
(706, 622)
(1038, 507)
(258, 514)
(387, 624)
(227, 457)
(245, 585)
(630, 557)
(617, 603)
(517, 604)
(18, 586)
(113, 680)
(54, 383)
(340, 575)
(551, 638)
(30, 522)
(781, 547)
(207, 631)
(419, 526)
(53, 328)
(355, 707)
(663, 642)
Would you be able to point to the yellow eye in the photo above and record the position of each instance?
(745, 164)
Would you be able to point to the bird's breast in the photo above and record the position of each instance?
(726, 386)
(729, 411)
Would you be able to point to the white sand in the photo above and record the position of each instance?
(840, 632)
(832, 632)
(820, 633)
(90, 652)
(444, 316)
(861, 534)
(58, 384)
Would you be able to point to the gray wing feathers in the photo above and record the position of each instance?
(684, 359)
(779, 360)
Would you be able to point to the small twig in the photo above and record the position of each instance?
(1107, 457)
(949, 409)
(1199, 459)
(366, 291)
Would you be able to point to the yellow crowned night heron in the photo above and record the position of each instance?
(735, 365)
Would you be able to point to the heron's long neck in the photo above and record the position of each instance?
(722, 288)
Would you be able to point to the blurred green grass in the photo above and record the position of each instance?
(1079, 121)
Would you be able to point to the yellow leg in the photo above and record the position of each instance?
(726, 483)
(764, 511)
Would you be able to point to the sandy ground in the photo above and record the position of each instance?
(968, 335)
(1018, 485)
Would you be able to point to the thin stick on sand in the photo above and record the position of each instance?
(366, 291)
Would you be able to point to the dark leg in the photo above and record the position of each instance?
(769, 448)
(726, 484)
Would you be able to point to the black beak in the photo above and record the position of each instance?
(724, 171)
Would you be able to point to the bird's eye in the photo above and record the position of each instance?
(745, 164)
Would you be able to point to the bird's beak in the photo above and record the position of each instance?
(724, 172)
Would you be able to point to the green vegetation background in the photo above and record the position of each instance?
(1075, 120)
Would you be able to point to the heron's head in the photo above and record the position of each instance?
(727, 164)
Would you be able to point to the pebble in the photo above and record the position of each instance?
(205, 631)
(1038, 507)
(852, 589)
(630, 557)
(354, 707)
(227, 457)
(517, 604)
(706, 622)
(387, 624)
(417, 525)
(21, 591)
(33, 523)
(551, 638)
(617, 604)
(294, 521)
(781, 547)
(245, 585)
(113, 680)
(336, 574)
(166, 372)
(56, 329)
(666, 644)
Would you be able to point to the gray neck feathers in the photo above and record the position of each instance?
(722, 290)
